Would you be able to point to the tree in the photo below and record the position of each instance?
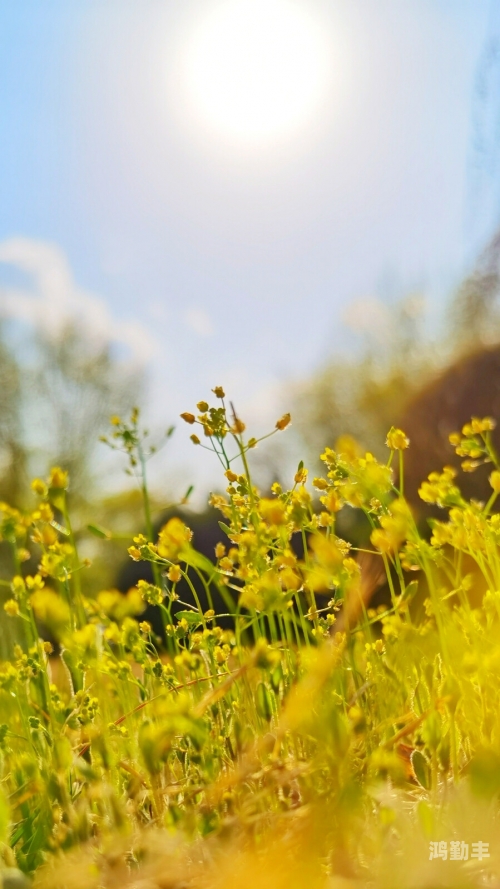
(56, 396)
(362, 396)
(13, 455)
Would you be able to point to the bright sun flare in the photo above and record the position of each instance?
(257, 69)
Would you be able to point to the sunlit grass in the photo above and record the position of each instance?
(320, 742)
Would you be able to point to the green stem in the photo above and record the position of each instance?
(75, 574)
(147, 510)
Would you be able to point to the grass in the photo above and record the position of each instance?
(319, 743)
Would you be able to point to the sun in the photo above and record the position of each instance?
(256, 70)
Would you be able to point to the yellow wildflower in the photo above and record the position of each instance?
(394, 528)
(18, 586)
(397, 440)
(238, 426)
(272, 511)
(320, 483)
(135, 553)
(300, 476)
(39, 487)
(173, 538)
(174, 573)
(332, 501)
(58, 478)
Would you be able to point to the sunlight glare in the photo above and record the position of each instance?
(257, 69)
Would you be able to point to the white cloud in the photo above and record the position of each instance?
(370, 316)
(373, 318)
(55, 300)
(199, 321)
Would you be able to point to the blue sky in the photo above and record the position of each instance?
(224, 263)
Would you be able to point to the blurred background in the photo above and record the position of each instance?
(296, 199)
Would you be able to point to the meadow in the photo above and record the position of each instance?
(318, 742)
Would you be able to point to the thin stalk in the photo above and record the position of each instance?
(147, 510)
(80, 610)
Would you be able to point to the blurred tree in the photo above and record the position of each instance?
(56, 396)
(75, 386)
(428, 391)
(362, 396)
(470, 386)
(474, 318)
(13, 453)
(365, 397)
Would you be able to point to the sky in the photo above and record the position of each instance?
(213, 244)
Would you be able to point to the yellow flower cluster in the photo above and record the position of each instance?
(353, 479)
(150, 593)
(217, 426)
(395, 527)
(440, 488)
(173, 540)
(474, 443)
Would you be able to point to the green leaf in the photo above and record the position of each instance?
(225, 528)
(421, 768)
(263, 701)
(197, 560)
(192, 617)
(409, 591)
(97, 531)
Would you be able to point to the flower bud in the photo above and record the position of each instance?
(283, 422)
(397, 440)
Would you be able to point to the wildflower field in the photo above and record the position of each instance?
(317, 742)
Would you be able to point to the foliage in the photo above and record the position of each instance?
(54, 393)
(329, 752)
(361, 395)
(54, 397)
